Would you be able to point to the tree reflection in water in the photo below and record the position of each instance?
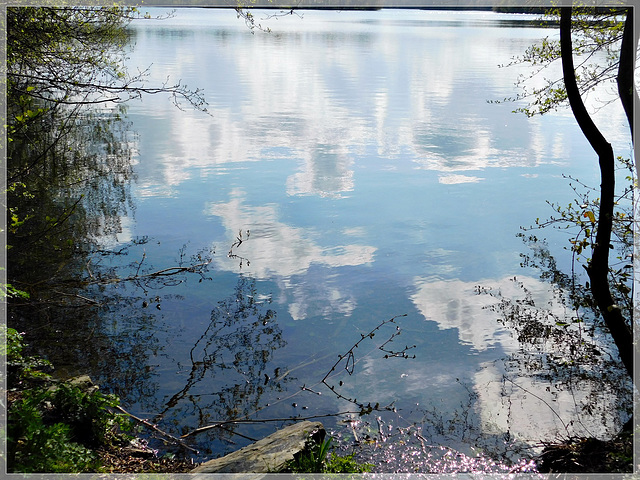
(69, 176)
(230, 364)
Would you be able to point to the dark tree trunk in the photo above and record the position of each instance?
(626, 88)
(598, 267)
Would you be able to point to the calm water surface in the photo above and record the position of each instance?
(359, 159)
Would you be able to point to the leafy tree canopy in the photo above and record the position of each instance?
(597, 36)
(75, 55)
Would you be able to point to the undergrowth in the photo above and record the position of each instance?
(317, 458)
(55, 427)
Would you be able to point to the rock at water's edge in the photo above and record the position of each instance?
(269, 454)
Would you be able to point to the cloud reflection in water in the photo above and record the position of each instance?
(508, 400)
(279, 251)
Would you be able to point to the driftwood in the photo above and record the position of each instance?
(268, 455)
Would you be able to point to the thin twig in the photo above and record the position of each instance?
(153, 427)
(541, 399)
(81, 297)
(263, 420)
(165, 272)
(351, 362)
(236, 433)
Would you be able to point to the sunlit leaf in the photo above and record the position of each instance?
(590, 215)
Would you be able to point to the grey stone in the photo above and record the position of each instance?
(84, 383)
(269, 454)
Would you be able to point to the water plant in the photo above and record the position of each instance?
(317, 458)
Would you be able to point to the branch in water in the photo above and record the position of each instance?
(156, 429)
(350, 363)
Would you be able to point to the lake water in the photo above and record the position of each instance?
(351, 170)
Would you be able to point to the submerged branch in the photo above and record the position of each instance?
(539, 398)
(165, 272)
(156, 429)
(350, 363)
(223, 423)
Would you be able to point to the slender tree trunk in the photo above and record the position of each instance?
(598, 267)
(626, 87)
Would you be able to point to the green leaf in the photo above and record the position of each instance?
(590, 215)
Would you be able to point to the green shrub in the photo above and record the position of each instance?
(316, 459)
(22, 370)
(347, 464)
(53, 427)
(87, 413)
(35, 446)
